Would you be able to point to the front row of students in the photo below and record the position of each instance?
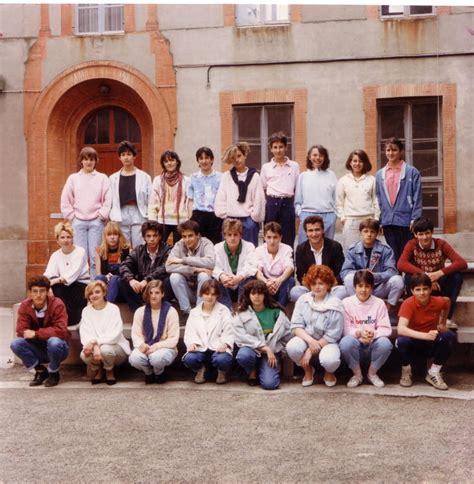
(322, 329)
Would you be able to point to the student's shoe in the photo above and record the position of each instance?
(436, 380)
(40, 376)
(330, 383)
(450, 324)
(200, 375)
(99, 375)
(221, 378)
(161, 378)
(252, 382)
(354, 382)
(405, 379)
(52, 380)
(308, 383)
(110, 377)
(149, 379)
(376, 381)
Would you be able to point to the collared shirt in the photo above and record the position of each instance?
(318, 254)
(392, 181)
(274, 266)
(279, 179)
(431, 247)
(190, 252)
(202, 190)
(152, 256)
(40, 313)
(233, 259)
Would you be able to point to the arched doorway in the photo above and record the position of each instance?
(104, 129)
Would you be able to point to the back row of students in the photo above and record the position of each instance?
(279, 193)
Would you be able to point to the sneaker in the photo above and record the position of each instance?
(52, 380)
(376, 381)
(405, 379)
(221, 378)
(354, 382)
(149, 379)
(40, 376)
(436, 380)
(450, 324)
(200, 375)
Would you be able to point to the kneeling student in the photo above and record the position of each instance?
(208, 336)
(422, 331)
(366, 331)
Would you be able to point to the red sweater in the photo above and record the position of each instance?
(414, 259)
(55, 320)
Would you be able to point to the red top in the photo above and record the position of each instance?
(423, 318)
(55, 320)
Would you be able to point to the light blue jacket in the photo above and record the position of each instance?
(407, 202)
(382, 261)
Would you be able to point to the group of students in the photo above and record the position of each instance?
(232, 293)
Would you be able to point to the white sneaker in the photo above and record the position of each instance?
(354, 382)
(436, 380)
(450, 324)
(376, 381)
(405, 379)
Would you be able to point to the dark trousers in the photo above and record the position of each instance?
(171, 229)
(282, 210)
(228, 295)
(397, 237)
(73, 298)
(450, 287)
(440, 349)
(210, 225)
(135, 300)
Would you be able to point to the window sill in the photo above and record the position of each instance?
(266, 25)
(99, 34)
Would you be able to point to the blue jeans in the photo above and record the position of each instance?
(353, 351)
(282, 210)
(88, 235)
(251, 229)
(185, 294)
(248, 359)
(113, 288)
(229, 295)
(33, 352)
(329, 220)
(195, 360)
(283, 293)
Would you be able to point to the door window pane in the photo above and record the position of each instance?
(103, 118)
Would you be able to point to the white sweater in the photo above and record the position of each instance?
(71, 267)
(356, 197)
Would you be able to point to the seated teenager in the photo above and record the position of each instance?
(366, 331)
(41, 330)
(317, 324)
(422, 331)
(104, 345)
(208, 336)
(113, 250)
(275, 263)
(261, 332)
(68, 272)
(145, 263)
(236, 262)
(427, 254)
(317, 250)
(371, 254)
(190, 264)
(155, 334)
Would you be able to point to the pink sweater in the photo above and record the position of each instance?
(86, 196)
(226, 204)
(371, 314)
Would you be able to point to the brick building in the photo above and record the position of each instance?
(183, 76)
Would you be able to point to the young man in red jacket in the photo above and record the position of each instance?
(427, 254)
(41, 330)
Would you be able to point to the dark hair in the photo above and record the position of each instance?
(422, 224)
(152, 225)
(313, 219)
(272, 227)
(125, 146)
(364, 276)
(278, 136)
(204, 150)
(363, 156)
(420, 279)
(322, 272)
(323, 151)
(255, 287)
(155, 283)
(394, 141)
(38, 281)
(189, 225)
(207, 286)
(167, 155)
(369, 223)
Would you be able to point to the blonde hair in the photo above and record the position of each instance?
(112, 228)
(63, 227)
(230, 154)
(232, 225)
(92, 285)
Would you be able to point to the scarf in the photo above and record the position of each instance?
(242, 185)
(171, 179)
(148, 325)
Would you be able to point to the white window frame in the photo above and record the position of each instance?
(405, 12)
(101, 11)
(265, 14)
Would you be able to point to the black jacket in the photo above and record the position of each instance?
(332, 257)
(138, 264)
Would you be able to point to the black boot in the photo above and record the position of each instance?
(53, 380)
(40, 376)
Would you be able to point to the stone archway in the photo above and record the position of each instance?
(52, 143)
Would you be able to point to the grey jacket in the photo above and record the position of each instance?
(203, 256)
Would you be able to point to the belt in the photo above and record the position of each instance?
(280, 198)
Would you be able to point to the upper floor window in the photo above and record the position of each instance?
(261, 14)
(93, 18)
(388, 11)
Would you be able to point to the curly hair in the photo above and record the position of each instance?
(255, 287)
(321, 272)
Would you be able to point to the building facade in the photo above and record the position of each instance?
(183, 76)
